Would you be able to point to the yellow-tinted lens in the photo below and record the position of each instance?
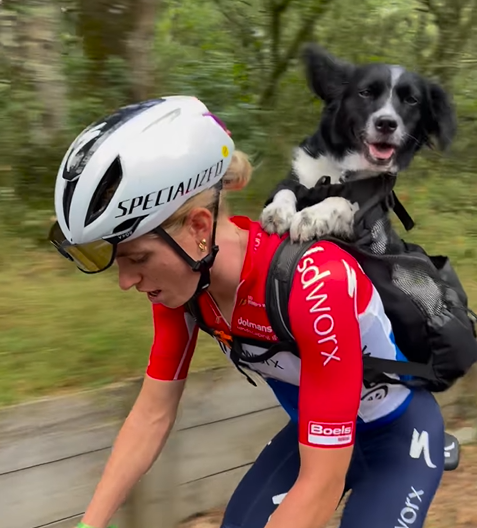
(91, 258)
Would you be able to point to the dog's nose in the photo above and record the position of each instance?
(385, 124)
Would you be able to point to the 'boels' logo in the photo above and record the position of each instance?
(327, 434)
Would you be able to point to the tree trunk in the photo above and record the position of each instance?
(35, 55)
(281, 61)
(103, 26)
(140, 49)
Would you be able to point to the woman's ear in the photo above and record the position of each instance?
(199, 223)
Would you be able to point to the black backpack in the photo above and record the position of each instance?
(440, 347)
(422, 295)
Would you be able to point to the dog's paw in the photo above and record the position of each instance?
(331, 217)
(277, 216)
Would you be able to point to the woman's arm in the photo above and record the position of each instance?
(323, 317)
(315, 495)
(148, 425)
(137, 446)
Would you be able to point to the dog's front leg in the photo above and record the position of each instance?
(333, 217)
(277, 216)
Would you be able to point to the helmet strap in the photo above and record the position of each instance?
(204, 265)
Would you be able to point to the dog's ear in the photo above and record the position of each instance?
(442, 123)
(326, 75)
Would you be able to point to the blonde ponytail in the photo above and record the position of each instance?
(239, 172)
(236, 178)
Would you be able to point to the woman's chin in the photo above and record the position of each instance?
(168, 298)
(171, 302)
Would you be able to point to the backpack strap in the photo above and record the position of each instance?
(375, 369)
(192, 307)
(236, 350)
(278, 287)
(401, 212)
(388, 199)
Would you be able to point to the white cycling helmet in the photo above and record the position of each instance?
(127, 173)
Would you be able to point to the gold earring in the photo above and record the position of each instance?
(203, 245)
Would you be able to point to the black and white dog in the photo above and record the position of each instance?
(375, 118)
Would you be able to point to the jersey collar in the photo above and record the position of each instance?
(256, 237)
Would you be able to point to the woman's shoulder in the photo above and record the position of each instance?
(328, 255)
(327, 266)
(323, 259)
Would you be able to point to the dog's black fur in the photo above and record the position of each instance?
(375, 118)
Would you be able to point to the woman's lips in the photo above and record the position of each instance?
(153, 295)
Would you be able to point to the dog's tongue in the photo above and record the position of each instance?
(381, 151)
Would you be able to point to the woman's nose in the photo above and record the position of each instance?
(127, 279)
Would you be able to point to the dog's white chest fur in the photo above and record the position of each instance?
(333, 216)
(309, 170)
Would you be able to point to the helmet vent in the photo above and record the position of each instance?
(105, 191)
(67, 198)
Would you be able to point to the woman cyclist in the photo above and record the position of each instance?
(143, 188)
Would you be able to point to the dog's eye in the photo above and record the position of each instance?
(410, 100)
(365, 93)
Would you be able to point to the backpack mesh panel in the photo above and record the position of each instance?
(379, 235)
(416, 282)
(384, 239)
(417, 279)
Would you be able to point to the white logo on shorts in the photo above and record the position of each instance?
(419, 445)
(409, 513)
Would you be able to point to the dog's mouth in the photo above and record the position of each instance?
(380, 152)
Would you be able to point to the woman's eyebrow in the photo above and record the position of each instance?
(129, 253)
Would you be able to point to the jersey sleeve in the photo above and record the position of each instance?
(324, 322)
(175, 338)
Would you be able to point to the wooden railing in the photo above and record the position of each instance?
(52, 452)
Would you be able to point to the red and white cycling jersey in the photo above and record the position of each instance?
(336, 315)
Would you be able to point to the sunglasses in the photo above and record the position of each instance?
(92, 257)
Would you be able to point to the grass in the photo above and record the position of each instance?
(61, 329)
